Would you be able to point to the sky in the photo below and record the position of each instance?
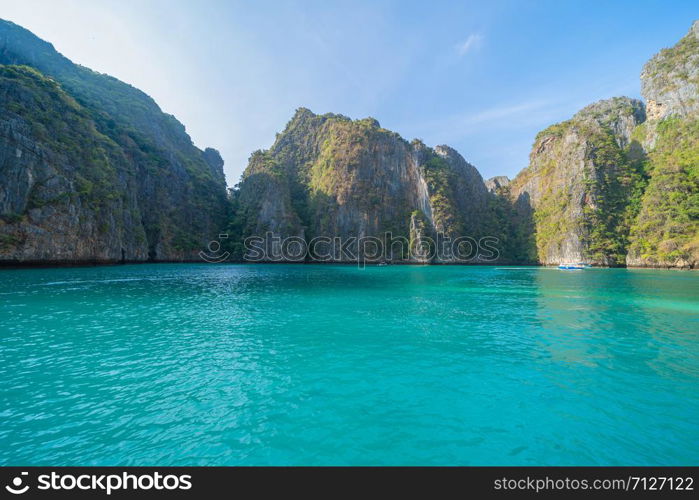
(483, 77)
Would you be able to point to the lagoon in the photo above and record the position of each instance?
(188, 364)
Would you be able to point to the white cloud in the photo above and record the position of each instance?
(473, 42)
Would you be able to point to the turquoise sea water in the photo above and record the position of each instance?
(302, 364)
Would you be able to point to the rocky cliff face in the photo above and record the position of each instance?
(329, 176)
(497, 183)
(666, 231)
(612, 188)
(608, 186)
(91, 170)
(579, 181)
(670, 80)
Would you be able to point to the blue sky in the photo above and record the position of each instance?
(483, 77)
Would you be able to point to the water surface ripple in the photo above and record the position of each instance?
(301, 364)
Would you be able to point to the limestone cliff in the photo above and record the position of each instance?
(666, 231)
(579, 182)
(91, 170)
(497, 183)
(327, 175)
(612, 188)
(670, 80)
(606, 187)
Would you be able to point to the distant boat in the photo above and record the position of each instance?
(579, 265)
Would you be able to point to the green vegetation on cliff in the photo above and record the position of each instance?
(441, 181)
(676, 57)
(614, 187)
(666, 230)
(66, 129)
(584, 183)
(328, 175)
(94, 160)
(126, 178)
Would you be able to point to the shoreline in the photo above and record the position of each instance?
(97, 263)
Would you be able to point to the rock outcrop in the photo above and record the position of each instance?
(91, 170)
(670, 80)
(612, 188)
(497, 183)
(329, 176)
(579, 183)
(666, 231)
(609, 186)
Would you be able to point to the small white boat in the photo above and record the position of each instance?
(570, 266)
